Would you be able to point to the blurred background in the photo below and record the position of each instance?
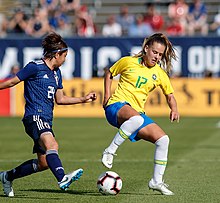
(99, 32)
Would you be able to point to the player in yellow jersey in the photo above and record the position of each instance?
(139, 75)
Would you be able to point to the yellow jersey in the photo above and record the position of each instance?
(137, 81)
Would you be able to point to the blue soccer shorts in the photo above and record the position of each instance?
(111, 112)
(34, 127)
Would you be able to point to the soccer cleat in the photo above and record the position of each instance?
(107, 159)
(69, 178)
(7, 185)
(161, 187)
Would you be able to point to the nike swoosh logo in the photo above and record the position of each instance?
(64, 180)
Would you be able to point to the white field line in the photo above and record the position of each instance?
(117, 161)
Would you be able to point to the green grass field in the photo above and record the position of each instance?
(192, 171)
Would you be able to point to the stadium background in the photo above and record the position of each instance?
(193, 169)
(83, 71)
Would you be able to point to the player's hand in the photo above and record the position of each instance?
(174, 116)
(90, 97)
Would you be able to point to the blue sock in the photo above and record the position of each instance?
(55, 164)
(27, 168)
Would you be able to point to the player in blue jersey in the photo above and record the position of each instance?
(42, 86)
(124, 109)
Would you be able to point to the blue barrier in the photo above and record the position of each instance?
(88, 56)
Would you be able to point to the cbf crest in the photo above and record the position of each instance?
(154, 77)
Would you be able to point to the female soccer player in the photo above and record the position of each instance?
(139, 75)
(42, 85)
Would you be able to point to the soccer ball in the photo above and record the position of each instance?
(109, 183)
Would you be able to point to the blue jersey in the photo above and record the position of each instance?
(40, 86)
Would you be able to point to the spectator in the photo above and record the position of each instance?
(70, 5)
(111, 28)
(197, 18)
(215, 26)
(153, 17)
(140, 28)
(64, 28)
(38, 25)
(14, 69)
(84, 24)
(83, 29)
(177, 12)
(125, 19)
(55, 16)
(18, 23)
(49, 5)
(175, 28)
(3, 25)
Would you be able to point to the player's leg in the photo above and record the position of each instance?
(48, 142)
(156, 135)
(129, 121)
(27, 168)
(40, 130)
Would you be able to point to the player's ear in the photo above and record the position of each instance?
(55, 56)
(146, 48)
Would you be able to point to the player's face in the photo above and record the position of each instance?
(61, 58)
(154, 54)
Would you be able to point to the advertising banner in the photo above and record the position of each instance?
(195, 97)
(5, 102)
(88, 56)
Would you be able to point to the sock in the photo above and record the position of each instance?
(125, 130)
(27, 168)
(55, 165)
(160, 158)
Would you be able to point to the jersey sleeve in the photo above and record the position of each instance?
(29, 70)
(119, 66)
(166, 85)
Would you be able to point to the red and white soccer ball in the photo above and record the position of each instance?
(109, 183)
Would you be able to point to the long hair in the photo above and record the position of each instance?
(168, 54)
(52, 44)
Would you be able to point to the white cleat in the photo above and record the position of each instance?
(69, 178)
(161, 187)
(107, 159)
(7, 185)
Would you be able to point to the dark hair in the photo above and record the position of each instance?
(168, 54)
(52, 44)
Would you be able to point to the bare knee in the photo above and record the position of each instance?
(151, 132)
(54, 146)
(48, 142)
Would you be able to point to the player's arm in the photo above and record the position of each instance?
(62, 99)
(171, 101)
(28, 71)
(107, 86)
(9, 83)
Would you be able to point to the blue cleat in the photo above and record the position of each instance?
(69, 178)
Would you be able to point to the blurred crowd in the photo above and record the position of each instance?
(71, 18)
